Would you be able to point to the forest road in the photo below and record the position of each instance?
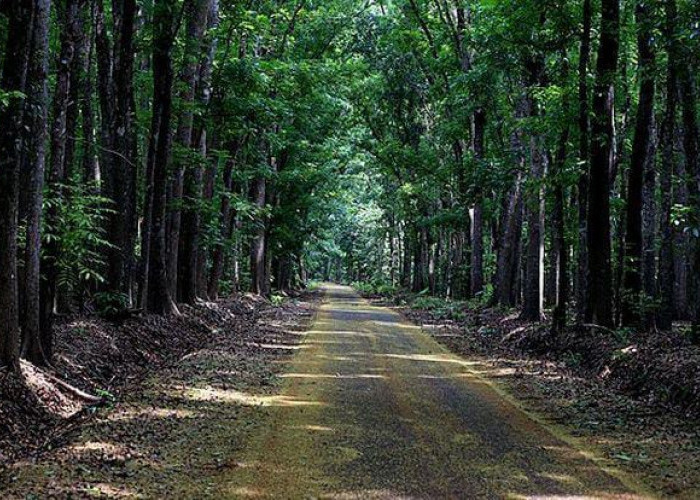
(372, 407)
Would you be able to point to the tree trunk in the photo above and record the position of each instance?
(91, 174)
(584, 158)
(37, 344)
(666, 312)
(690, 135)
(599, 303)
(185, 189)
(533, 298)
(66, 80)
(649, 235)
(560, 248)
(641, 149)
(226, 216)
(19, 15)
(507, 266)
(257, 246)
(116, 91)
(159, 300)
(406, 263)
(477, 226)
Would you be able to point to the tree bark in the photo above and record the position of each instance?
(477, 226)
(666, 312)
(226, 215)
(508, 255)
(692, 166)
(632, 301)
(533, 298)
(115, 60)
(14, 74)
(91, 174)
(37, 344)
(257, 246)
(159, 300)
(66, 79)
(599, 303)
(584, 158)
(187, 173)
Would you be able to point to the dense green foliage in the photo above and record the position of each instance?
(464, 149)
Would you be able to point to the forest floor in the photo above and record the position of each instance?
(160, 423)
(368, 406)
(630, 400)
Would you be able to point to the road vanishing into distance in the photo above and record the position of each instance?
(372, 407)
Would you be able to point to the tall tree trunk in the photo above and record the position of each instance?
(19, 15)
(37, 345)
(664, 319)
(560, 248)
(692, 167)
(649, 235)
(599, 303)
(210, 175)
(115, 85)
(159, 300)
(584, 158)
(641, 149)
(477, 226)
(91, 174)
(533, 298)
(203, 140)
(71, 38)
(185, 189)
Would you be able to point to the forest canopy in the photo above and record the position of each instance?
(538, 154)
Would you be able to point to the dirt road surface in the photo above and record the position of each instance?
(374, 408)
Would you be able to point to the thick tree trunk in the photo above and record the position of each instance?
(210, 175)
(185, 189)
(560, 247)
(14, 74)
(599, 303)
(117, 163)
(37, 344)
(159, 300)
(641, 149)
(533, 285)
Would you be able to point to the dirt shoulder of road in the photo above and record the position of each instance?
(162, 419)
(638, 435)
